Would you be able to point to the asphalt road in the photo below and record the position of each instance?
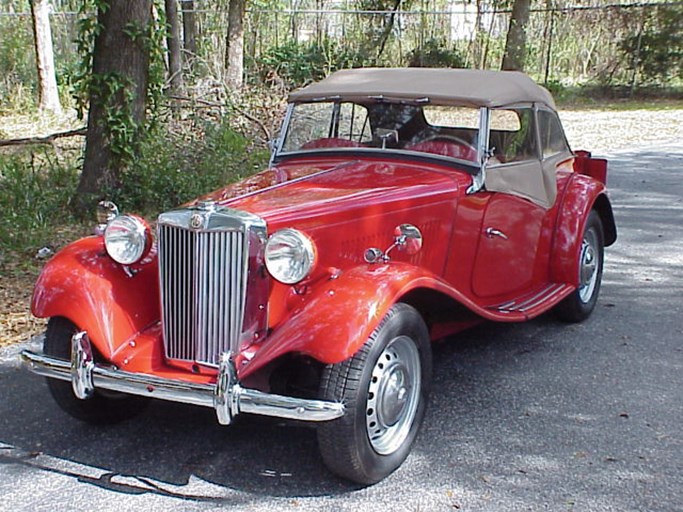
(535, 416)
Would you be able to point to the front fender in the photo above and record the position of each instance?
(82, 283)
(582, 194)
(334, 322)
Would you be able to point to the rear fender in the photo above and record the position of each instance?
(336, 319)
(581, 195)
(596, 168)
(83, 284)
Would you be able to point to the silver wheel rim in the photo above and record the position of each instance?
(393, 395)
(589, 263)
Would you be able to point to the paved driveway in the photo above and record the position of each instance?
(539, 416)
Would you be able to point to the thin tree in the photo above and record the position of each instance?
(118, 88)
(189, 30)
(515, 44)
(45, 62)
(234, 45)
(388, 27)
(175, 73)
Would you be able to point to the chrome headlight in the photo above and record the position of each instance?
(290, 256)
(126, 239)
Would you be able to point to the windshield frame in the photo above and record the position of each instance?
(473, 167)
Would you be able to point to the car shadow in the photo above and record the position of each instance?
(170, 447)
(175, 444)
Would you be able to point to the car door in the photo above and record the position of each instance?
(518, 198)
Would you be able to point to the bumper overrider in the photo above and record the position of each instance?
(227, 397)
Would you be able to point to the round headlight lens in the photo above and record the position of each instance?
(290, 256)
(126, 239)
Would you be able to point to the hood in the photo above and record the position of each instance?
(306, 189)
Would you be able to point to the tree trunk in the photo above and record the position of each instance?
(515, 45)
(189, 30)
(234, 45)
(387, 29)
(121, 56)
(175, 72)
(45, 62)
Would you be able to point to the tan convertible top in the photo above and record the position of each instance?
(468, 87)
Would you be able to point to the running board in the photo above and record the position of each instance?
(536, 302)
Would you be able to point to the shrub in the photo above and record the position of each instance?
(175, 167)
(657, 53)
(297, 64)
(436, 53)
(17, 65)
(35, 190)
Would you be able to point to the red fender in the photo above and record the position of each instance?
(334, 322)
(581, 194)
(82, 283)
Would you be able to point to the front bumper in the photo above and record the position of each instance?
(227, 396)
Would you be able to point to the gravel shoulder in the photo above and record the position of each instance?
(606, 132)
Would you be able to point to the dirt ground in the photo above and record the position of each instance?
(602, 132)
(16, 323)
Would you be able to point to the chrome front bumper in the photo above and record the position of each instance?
(227, 396)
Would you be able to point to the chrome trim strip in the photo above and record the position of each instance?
(479, 179)
(227, 397)
(543, 295)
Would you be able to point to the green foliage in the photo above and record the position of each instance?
(175, 168)
(658, 51)
(18, 80)
(436, 53)
(297, 64)
(114, 91)
(34, 190)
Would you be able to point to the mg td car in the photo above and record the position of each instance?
(400, 206)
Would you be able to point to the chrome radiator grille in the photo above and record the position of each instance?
(204, 276)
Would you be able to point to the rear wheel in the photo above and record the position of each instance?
(385, 388)
(580, 304)
(103, 407)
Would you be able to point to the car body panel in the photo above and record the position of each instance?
(345, 213)
(82, 283)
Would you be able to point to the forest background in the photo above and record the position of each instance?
(153, 102)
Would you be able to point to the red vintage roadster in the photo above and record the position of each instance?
(400, 206)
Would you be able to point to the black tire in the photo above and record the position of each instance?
(580, 304)
(103, 408)
(360, 446)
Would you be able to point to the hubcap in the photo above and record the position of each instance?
(588, 266)
(393, 395)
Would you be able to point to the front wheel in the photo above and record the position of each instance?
(580, 304)
(384, 388)
(104, 407)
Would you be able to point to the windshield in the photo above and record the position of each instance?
(442, 131)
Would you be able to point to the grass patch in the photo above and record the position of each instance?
(35, 189)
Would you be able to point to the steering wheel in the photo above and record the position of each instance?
(460, 148)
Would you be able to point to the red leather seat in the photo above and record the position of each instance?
(331, 142)
(445, 148)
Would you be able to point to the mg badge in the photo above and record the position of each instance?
(196, 221)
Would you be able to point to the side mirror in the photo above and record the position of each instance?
(408, 239)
